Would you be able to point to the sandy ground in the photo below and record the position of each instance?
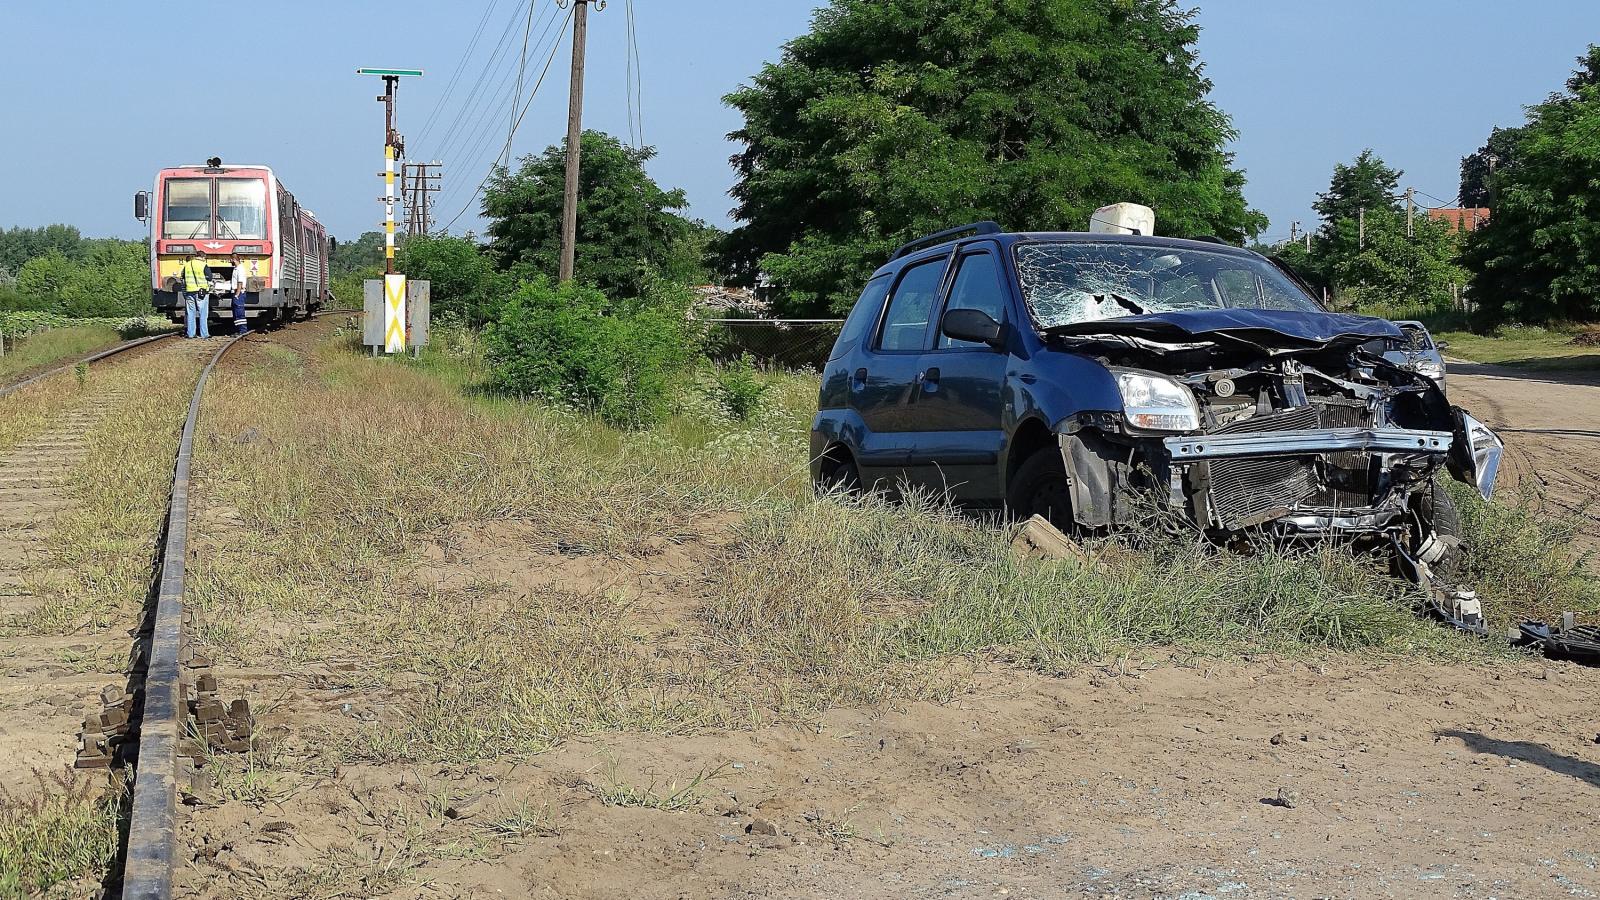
(1176, 779)
(1550, 422)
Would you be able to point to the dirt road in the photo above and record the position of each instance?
(1550, 422)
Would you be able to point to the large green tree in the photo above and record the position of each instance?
(18, 245)
(1366, 183)
(895, 118)
(1538, 258)
(628, 225)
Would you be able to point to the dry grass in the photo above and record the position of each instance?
(330, 473)
(106, 541)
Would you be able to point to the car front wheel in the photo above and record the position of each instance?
(1040, 488)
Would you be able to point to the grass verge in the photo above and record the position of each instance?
(1525, 347)
(53, 347)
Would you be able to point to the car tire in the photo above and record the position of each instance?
(1040, 488)
(839, 474)
(1436, 515)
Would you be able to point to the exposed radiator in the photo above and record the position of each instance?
(1247, 491)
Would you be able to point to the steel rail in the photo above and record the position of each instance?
(152, 826)
(93, 357)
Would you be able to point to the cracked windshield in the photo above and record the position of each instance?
(1082, 282)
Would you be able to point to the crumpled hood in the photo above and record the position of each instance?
(1270, 328)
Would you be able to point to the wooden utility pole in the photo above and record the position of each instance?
(418, 185)
(1411, 211)
(1361, 241)
(569, 206)
(1294, 232)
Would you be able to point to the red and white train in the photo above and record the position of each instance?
(224, 211)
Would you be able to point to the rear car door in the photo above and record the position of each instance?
(958, 396)
(881, 387)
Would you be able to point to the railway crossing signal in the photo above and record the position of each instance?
(392, 311)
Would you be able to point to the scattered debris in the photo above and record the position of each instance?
(1288, 798)
(1038, 539)
(761, 826)
(1568, 641)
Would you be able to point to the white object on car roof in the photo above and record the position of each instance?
(1123, 218)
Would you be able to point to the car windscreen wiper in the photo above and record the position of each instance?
(1121, 301)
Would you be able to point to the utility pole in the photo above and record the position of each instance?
(1308, 242)
(1411, 211)
(1361, 241)
(419, 183)
(569, 205)
(1294, 231)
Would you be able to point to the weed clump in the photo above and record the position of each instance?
(740, 388)
(56, 840)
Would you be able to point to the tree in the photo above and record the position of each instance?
(1499, 152)
(627, 226)
(1538, 258)
(1394, 269)
(18, 245)
(364, 252)
(895, 118)
(1366, 183)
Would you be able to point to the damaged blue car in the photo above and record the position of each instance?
(1080, 375)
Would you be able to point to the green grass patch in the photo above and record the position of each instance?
(58, 845)
(1526, 347)
(55, 346)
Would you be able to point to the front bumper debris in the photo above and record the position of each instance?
(1308, 441)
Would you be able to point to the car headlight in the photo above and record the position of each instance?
(1427, 368)
(1157, 403)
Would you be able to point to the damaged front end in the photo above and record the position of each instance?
(1247, 430)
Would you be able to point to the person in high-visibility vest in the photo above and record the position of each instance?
(196, 296)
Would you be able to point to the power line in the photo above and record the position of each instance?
(455, 77)
(554, 46)
(477, 127)
(522, 68)
(635, 79)
(474, 93)
(480, 134)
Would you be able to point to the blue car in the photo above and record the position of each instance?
(1100, 379)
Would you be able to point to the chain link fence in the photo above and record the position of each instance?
(778, 343)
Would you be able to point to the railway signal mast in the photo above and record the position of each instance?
(393, 336)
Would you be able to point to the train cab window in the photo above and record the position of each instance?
(241, 208)
(188, 210)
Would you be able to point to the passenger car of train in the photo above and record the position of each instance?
(223, 211)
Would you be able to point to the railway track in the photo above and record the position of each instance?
(33, 474)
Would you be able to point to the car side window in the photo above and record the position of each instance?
(863, 314)
(905, 325)
(977, 286)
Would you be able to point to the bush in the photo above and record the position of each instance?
(570, 344)
(739, 388)
(465, 286)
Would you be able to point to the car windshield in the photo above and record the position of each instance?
(1067, 283)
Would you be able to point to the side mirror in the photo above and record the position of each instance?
(141, 205)
(1441, 345)
(973, 325)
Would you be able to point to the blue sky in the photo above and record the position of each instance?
(93, 101)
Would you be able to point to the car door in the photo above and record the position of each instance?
(957, 406)
(881, 388)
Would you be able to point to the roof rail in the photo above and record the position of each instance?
(1213, 239)
(940, 237)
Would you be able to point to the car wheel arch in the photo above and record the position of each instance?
(1030, 436)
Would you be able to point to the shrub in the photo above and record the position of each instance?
(570, 344)
(739, 388)
(465, 285)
